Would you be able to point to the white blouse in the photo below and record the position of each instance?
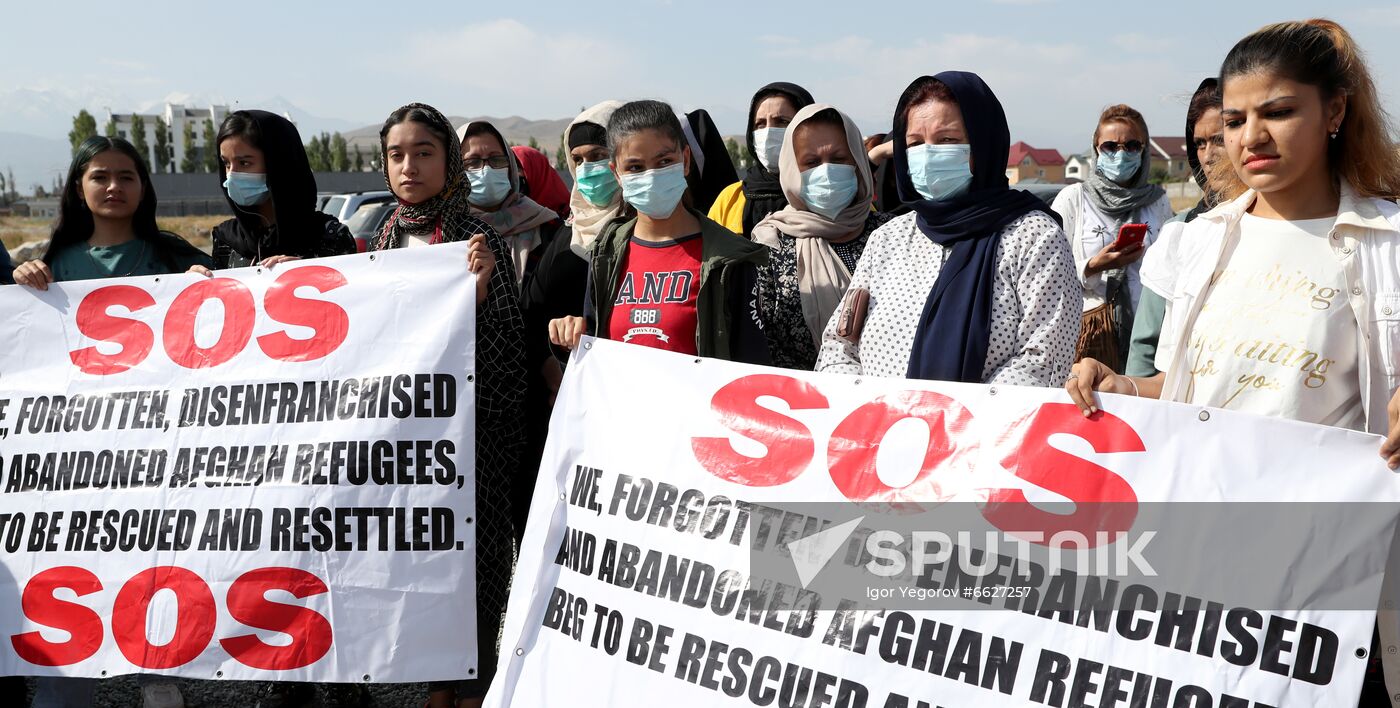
(1036, 303)
(1089, 232)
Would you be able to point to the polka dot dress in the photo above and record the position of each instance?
(1036, 304)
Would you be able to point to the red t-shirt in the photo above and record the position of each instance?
(656, 294)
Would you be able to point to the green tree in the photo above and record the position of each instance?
(534, 143)
(4, 191)
(561, 156)
(165, 152)
(211, 151)
(138, 138)
(316, 155)
(737, 154)
(14, 190)
(1159, 176)
(340, 153)
(110, 130)
(326, 158)
(359, 160)
(84, 127)
(190, 162)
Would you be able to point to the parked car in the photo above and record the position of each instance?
(365, 224)
(344, 206)
(321, 199)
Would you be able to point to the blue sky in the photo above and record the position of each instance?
(1054, 63)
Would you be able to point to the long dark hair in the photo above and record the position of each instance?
(74, 224)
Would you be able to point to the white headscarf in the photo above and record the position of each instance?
(588, 219)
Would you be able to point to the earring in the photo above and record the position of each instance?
(1334, 134)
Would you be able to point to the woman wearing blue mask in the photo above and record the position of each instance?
(745, 203)
(667, 278)
(976, 283)
(1116, 193)
(818, 238)
(494, 174)
(272, 192)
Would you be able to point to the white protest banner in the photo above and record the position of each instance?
(646, 574)
(267, 474)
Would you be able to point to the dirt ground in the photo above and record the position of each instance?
(16, 230)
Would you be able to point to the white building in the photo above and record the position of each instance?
(1077, 168)
(176, 117)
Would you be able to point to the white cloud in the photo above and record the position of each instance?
(510, 61)
(1052, 91)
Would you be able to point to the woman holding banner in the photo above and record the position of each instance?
(272, 191)
(423, 167)
(817, 239)
(977, 283)
(106, 228)
(106, 225)
(1311, 172)
(668, 278)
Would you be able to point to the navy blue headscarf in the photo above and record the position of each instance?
(955, 328)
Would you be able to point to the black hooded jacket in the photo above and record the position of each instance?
(300, 230)
(763, 194)
(707, 181)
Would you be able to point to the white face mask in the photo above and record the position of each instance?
(768, 143)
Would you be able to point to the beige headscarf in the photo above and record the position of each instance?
(821, 276)
(518, 217)
(588, 219)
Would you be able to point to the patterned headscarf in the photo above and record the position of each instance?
(449, 208)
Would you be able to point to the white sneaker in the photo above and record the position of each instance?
(165, 694)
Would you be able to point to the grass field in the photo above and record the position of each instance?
(16, 230)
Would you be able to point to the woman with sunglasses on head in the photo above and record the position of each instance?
(1094, 212)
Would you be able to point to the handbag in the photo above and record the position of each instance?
(1104, 331)
(853, 311)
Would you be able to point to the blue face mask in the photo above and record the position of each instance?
(247, 189)
(768, 143)
(1118, 166)
(829, 188)
(489, 186)
(596, 182)
(655, 193)
(940, 172)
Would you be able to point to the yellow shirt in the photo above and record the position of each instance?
(728, 209)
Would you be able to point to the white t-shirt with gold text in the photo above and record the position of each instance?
(1276, 336)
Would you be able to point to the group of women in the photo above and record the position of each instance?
(905, 256)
